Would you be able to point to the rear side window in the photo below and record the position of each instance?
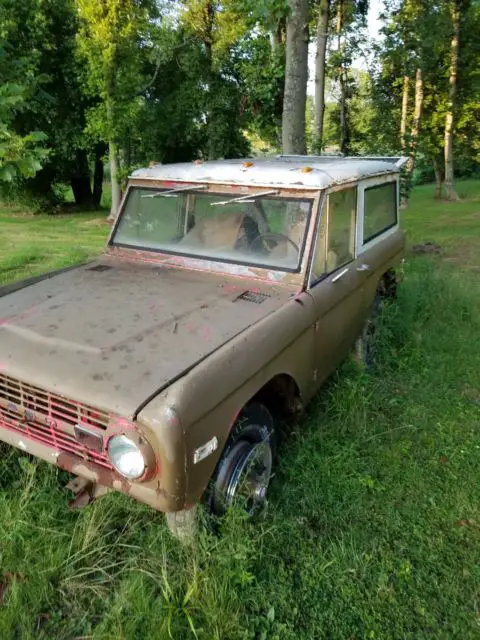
(336, 237)
(380, 210)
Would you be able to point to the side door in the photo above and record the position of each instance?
(336, 282)
(380, 243)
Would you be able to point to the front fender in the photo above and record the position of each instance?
(208, 399)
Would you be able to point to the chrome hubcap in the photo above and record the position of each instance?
(250, 478)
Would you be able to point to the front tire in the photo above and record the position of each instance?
(243, 474)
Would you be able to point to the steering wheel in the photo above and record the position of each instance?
(269, 237)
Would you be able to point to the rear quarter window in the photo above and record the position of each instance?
(380, 210)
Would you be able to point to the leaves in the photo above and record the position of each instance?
(20, 155)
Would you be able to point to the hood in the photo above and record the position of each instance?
(113, 334)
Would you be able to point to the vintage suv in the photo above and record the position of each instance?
(227, 293)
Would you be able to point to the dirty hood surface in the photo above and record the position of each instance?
(112, 334)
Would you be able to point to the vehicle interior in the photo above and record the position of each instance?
(259, 230)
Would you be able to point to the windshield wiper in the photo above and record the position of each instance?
(171, 193)
(251, 197)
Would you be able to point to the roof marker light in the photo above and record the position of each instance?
(306, 169)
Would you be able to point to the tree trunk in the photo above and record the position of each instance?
(82, 191)
(127, 153)
(404, 118)
(116, 193)
(209, 16)
(273, 40)
(322, 35)
(344, 135)
(209, 22)
(438, 178)
(282, 31)
(113, 157)
(275, 36)
(296, 74)
(417, 117)
(450, 193)
(80, 180)
(98, 175)
(40, 187)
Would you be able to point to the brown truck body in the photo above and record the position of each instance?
(167, 347)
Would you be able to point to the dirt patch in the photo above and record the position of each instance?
(6, 581)
(8, 213)
(426, 248)
(96, 222)
(471, 394)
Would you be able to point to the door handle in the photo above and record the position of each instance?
(363, 267)
(340, 275)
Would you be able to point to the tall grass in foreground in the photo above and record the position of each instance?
(372, 531)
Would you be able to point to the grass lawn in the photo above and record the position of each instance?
(33, 244)
(373, 525)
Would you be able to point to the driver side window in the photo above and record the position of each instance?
(336, 235)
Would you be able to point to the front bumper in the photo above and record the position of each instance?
(42, 424)
(88, 470)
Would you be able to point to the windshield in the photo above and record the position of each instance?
(265, 231)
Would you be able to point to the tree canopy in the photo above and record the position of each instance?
(88, 84)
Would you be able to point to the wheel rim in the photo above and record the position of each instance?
(250, 476)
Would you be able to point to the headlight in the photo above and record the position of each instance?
(127, 457)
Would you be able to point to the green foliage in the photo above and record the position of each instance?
(20, 156)
(263, 76)
(364, 136)
(418, 35)
(346, 40)
(169, 89)
(266, 12)
(415, 35)
(217, 27)
(175, 81)
(114, 38)
(38, 54)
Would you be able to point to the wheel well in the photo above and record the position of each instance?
(281, 396)
(387, 287)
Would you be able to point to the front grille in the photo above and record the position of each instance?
(50, 418)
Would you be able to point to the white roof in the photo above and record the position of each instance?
(311, 172)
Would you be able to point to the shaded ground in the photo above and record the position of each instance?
(373, 527)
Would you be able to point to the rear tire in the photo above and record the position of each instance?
(364, 349)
